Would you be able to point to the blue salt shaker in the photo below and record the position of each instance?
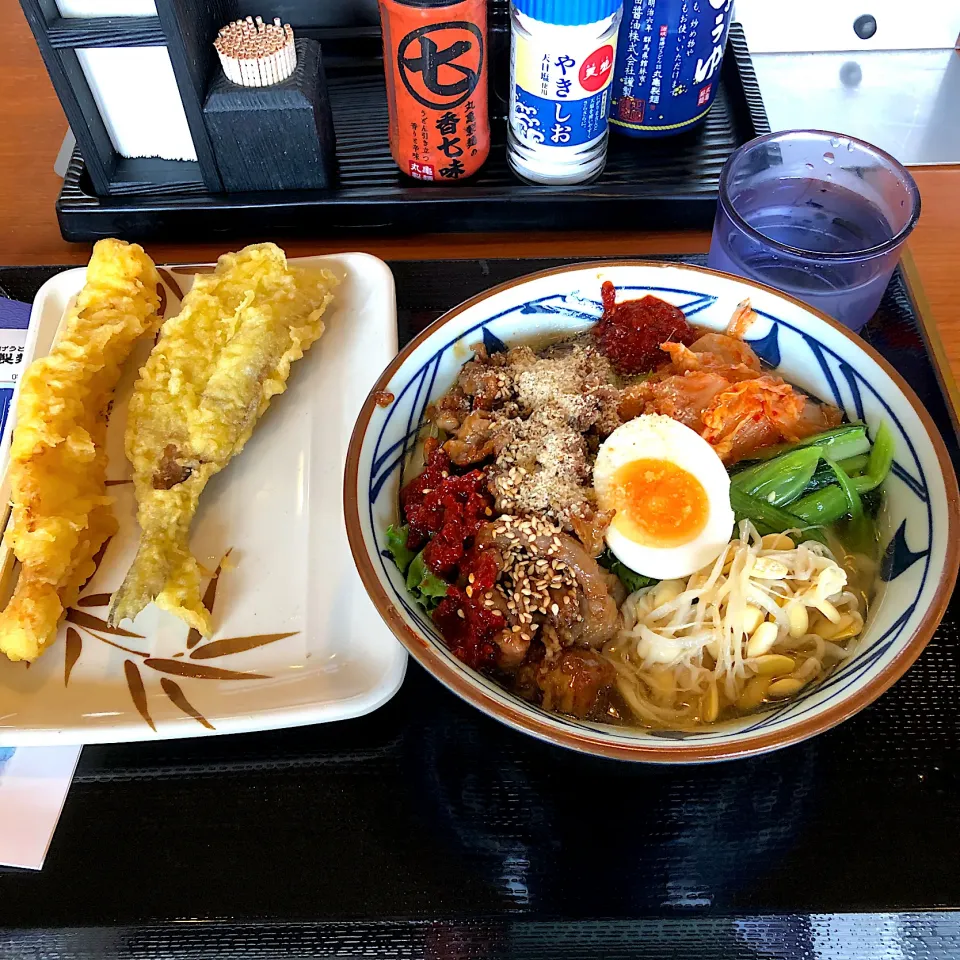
(562, 56)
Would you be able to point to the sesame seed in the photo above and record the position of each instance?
(469, 591)
(471, 578)
(555, 608)
(461, 614)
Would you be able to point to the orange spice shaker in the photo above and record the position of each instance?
(435, 59)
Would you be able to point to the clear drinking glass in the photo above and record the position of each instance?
(818, 215)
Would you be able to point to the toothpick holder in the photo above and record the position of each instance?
(274, 138)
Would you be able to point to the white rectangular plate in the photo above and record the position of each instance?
(278, 509)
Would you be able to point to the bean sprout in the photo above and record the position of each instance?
(767, 609)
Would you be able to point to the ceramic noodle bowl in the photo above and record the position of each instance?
(918, 522)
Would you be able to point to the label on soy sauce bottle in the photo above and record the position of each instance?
(668, 64)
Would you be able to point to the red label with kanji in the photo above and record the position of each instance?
(704, 95)
(422, 171)
(595, 70)
(630, 109)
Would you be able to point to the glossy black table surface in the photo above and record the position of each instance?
(429, 830)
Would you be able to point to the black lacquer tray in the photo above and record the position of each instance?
(657, 184)
(429, 830)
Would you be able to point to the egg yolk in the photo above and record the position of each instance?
(658, 504)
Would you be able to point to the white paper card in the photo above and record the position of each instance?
(107, 8)
(33, 786)
(137, 95)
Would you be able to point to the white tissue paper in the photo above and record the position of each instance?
(33, 787)
(107, 8)
(136, 91)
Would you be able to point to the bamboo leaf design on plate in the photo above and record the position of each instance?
(173, 691)
(91, 622)
(162, 294)
(137, 692)
(209, 599)
(198, 671)
(100, 554)
(119, 646)
(228, 645)
(170, 281)
(98, 557)
(95, 600)
(74, 647)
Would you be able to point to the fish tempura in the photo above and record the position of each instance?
(198, 399)
(61, 512)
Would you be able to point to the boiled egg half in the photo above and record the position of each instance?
(671, 497)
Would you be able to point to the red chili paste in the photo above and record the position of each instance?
(466, 624)
(629, 334)
(446, 511)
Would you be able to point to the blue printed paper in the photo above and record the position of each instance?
(14, 322)
(14, 315)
